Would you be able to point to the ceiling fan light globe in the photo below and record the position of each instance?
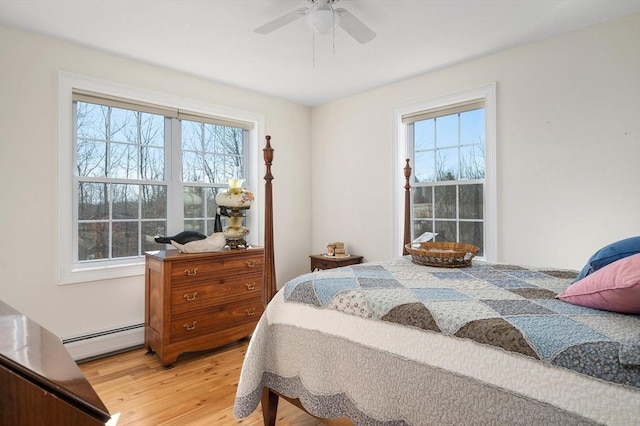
(322, 20)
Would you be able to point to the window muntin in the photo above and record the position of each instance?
(449, 168)
(123, 177)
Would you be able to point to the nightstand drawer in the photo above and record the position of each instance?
(216, 291)
(202, 269)
(206, 321)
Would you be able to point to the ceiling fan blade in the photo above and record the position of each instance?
(281, 21)
(354, 27)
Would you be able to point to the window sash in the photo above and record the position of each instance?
(453, 222)
(453, 218)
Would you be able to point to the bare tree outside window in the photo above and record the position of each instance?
(117, 150)
(122, 182)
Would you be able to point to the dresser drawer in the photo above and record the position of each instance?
(215, 291)
(198, 323)
(199, 269)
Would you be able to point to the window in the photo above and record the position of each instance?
(448, 169)
(141, 169)
(448, 141)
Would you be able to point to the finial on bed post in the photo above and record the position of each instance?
(407, 208)
(269, 260)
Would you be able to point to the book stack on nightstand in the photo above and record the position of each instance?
(339, 250)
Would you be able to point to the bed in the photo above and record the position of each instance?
(399, 343)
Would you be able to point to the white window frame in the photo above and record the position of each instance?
(67, 82)
(486, 92)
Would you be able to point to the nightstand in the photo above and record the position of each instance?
(320, 261)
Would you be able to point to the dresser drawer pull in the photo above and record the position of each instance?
(251, 264)
(250, 312)
(191, 273)
(190, 327)
(251, 286)
(190, 298)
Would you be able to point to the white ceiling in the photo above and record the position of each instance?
(215, 39)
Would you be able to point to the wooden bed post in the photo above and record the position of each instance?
(269, 407)
(269, 260)
(407, 209)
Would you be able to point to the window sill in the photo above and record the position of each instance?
(104, 272)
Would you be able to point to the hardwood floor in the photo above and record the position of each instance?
(198, 390)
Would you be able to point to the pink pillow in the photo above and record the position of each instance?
(615, 287)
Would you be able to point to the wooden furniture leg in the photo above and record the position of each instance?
(269, 407)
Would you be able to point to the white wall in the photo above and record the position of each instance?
(568, 161)
(29, 67)
(568, 149)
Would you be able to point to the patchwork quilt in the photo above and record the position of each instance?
(396, 343)
(511, 307)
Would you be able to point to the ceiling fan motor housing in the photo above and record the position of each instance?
(321, 17)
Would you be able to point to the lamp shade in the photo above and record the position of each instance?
(235, 197)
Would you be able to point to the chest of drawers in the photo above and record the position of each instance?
(200, 301)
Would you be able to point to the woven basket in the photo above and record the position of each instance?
(445, 254)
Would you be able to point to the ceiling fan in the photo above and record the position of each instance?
(322, 18)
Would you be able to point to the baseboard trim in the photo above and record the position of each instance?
(102, 343)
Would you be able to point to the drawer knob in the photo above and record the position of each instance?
(251, 263)
(190, 298)
(190, 327)
(191, 273)
(250, 312)
(251, 286)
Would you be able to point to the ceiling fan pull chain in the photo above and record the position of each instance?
(334, 42)
(333, 26)
(333, 36)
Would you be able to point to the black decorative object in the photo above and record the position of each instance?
(222, 211)
(183, 237)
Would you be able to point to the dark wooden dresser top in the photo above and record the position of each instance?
(38, 355)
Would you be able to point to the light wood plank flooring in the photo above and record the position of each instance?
(198, 390)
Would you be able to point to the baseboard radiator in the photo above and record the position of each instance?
(103, 343)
